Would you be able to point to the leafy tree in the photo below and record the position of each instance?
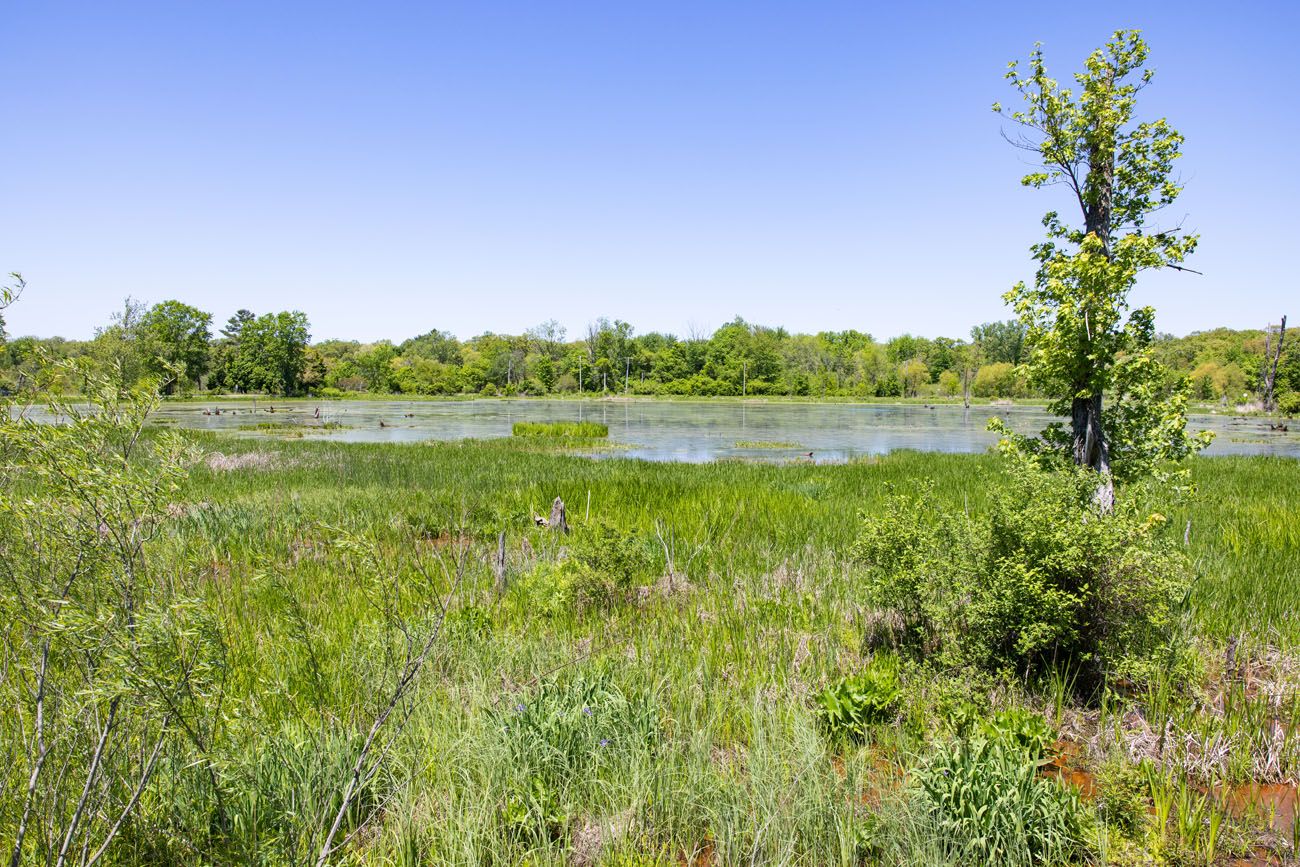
(116, 346)
(175, 337)
(1119, 174)
(438, 345)
(235, 324)
(549, 337)
(996, 380)
(375, 364)
(949, 383)
(1001, 341)
(913, 374)
(271, 353)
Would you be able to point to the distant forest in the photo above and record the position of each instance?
(273, 353)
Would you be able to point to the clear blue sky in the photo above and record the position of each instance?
(394, 167)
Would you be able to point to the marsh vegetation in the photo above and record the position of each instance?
(1080, 648)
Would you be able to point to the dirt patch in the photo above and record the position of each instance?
(1066, 766)
(700, 855)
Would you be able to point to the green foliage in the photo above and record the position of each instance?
(1000, 342)
(857, 702)
(600, 566)
(562, 740)
(1020, 729)
(270, 354)
(1289, 404)
(604, 562)
(174, 344)
(1122, 798)
(981, 800)
(288, 787)
(1042, 579)
(738, 765)
(103, 661)
(999, 379)
(1074, 312)
(586, 429)
(469, 623)
(8, 295)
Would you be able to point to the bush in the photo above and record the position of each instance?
(544, 591)
(604, 563)
(1041, 580)
(862, 700)
(997, 380)
(1289, 404)
(600, 567)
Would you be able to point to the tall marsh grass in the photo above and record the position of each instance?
(675, 722)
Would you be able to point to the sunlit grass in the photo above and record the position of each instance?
(584, 429)
(765, 609)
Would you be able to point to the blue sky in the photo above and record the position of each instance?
(394, 167)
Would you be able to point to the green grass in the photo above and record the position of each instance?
(572, 429)
(767, 444)
(681, 720)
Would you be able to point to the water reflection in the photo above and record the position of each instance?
(687, 431)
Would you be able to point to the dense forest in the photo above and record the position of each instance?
(273, 353)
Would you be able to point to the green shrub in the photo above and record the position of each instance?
(1041, 580)
(584, 429)
(1289, 404)
(604, 562)
(862, 700)
(599, 567)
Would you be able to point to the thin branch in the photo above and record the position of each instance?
(135, 798)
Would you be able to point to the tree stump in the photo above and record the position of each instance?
(558, 521)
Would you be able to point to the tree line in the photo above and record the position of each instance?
(273, 353)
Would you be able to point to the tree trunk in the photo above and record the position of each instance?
(1090, 447)
(1270, 367)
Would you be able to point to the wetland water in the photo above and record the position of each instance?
(691, 431)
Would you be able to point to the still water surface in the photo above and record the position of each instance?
(692, 431)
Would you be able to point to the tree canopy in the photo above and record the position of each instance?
(1085, 341)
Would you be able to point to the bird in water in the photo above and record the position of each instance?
(381, 423)
(809, 456)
